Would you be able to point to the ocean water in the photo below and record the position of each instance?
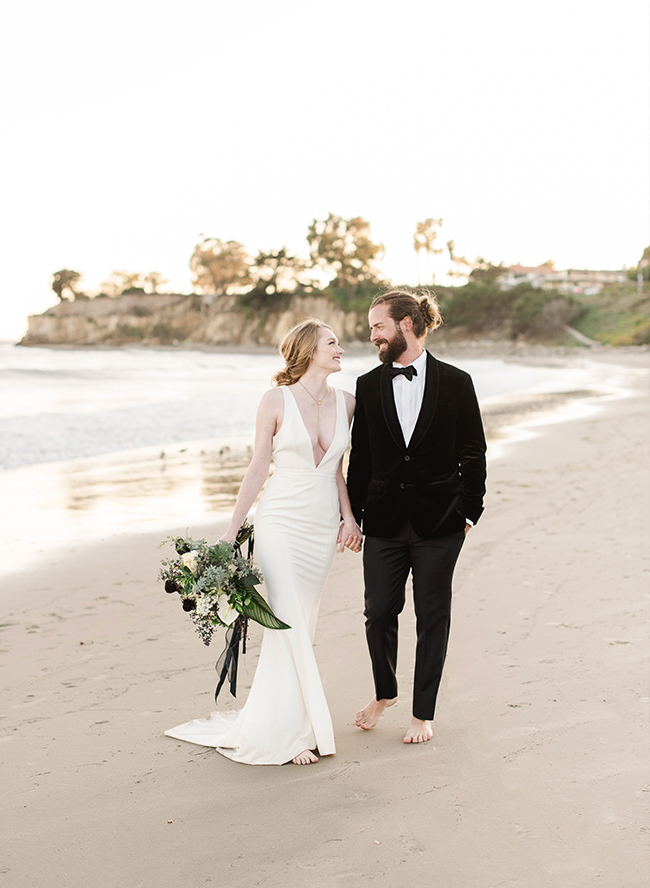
(63, 404)
(95, 443)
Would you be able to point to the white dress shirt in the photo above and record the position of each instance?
(409, 395)
(408, 399)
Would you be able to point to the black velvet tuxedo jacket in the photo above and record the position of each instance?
(435, 482)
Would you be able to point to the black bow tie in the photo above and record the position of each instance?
(409, 372)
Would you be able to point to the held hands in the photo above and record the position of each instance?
(349, 535)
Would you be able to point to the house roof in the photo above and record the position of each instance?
(528, 269)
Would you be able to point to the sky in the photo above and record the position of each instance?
(131, 129)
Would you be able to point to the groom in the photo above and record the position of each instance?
(416, 482)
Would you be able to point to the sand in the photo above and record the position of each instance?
(535, 774)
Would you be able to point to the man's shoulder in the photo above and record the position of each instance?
(371, 376)
(450, 371)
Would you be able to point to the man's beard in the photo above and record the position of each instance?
(396, 346)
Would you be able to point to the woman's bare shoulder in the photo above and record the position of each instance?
(273, 395)
(271, 401)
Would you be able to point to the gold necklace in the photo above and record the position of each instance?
(319, 401)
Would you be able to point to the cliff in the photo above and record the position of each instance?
(159, 319)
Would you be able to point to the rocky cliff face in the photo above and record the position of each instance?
(162, 318)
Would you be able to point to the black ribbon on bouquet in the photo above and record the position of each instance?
(228, 662)
(229, 659)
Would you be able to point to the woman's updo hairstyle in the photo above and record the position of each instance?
(297, 348)
(421, 306)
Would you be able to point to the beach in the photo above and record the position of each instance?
(534, 777)
(99, 443)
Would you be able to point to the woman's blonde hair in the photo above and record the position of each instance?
(297, 348)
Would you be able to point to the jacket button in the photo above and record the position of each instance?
(402, 486)
(406, 458)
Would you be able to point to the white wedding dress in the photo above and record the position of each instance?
(296, 525)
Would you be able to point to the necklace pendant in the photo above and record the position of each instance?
(318, 401)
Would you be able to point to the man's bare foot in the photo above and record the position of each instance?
(306, 757)
(368, 717)
(419, 732)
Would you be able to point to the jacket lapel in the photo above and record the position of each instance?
(388, 406)
(429, 403)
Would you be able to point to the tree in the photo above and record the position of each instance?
(278, 271)
(486, 272)
(65, 281)
(424, 239)
(119, 282)
(460, 262)
(219, 267)
(479, 270)
(345, 246)
(641, 268)
(153, 280)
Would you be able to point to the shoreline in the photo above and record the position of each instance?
(626, 359)
(142, 490)
(479, 348)
(536, 770)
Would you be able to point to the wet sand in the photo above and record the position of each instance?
(118, 494)
(535, 775)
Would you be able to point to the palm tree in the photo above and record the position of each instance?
(424, 239)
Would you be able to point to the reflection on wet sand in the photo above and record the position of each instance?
(223, 471)
(500, 417)
(56, 505)
(183, 486)
(206, 479)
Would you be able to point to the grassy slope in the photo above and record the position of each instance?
(616, 315)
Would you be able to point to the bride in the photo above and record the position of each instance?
(303, 514)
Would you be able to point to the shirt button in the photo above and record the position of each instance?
(402, 486)
(406, 458)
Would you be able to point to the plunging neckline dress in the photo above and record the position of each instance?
(296, 525)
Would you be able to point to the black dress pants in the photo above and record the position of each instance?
(386, 565)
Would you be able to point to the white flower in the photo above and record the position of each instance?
(203, 606)
(227, 613)
(190, 560)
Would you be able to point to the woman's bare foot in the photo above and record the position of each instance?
(368, 717)
(306, 757)
(419, 732)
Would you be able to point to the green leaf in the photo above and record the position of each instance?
(249, 581)
(243, 534)
(259, 611)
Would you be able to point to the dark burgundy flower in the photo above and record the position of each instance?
(189, 604)
(171, 586)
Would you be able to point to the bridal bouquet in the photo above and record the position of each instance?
(217, 585)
